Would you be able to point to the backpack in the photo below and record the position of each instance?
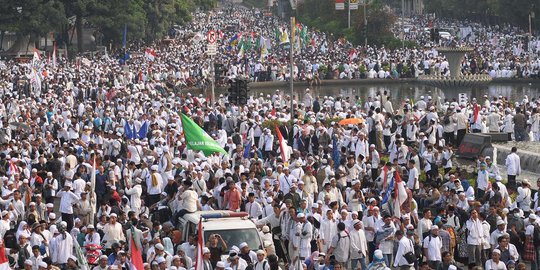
(264, 265)
(536, 236)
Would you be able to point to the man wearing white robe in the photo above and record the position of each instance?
(135, 192)
(61, 246)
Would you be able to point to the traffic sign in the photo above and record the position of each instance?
(211, 36)
(211, 49)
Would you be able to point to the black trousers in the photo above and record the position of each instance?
(449, 138)
(460, 135)
(512, 181)
(68, 218)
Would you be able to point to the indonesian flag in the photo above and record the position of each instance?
(4, 262)
(476, 111)
(283, 147)
(136, 256)
(353, 54)
(54, 56)
(36, 60)
(401, 195)
(150, 55)
(199, 259)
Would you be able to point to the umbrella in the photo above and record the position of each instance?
(351, 121)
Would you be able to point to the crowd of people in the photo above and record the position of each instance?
(90, 157)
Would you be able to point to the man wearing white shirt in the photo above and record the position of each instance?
(153, 183)
(359, 247)
(432, 248)
(413, 183)
(67, 200)
(286, 180)
(405, 246)
(474, 239)
(135, 192)
(253, 208)
(513, 167)
(92, 237)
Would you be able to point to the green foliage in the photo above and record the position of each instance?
(31, 17)
(145, 19)
(321, 14)
(255, 3)
(489, 11)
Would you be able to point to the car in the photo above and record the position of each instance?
(233, 227)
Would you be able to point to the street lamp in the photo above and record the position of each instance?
(531, 16)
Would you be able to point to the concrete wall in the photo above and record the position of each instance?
(530, 161)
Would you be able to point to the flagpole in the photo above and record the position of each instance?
(291, 82)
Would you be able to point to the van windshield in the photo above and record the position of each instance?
(235, 237)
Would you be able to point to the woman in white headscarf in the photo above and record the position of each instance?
(23, 227)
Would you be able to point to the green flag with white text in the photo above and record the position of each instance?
(197, 139)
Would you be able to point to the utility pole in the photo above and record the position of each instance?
(212, 78)
(349, 17)
(365, 23)
(402, 24)
(291, 78)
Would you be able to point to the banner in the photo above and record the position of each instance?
(340, 4)
(197, 139)
(353, 4)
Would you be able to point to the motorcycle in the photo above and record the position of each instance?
(93, 252)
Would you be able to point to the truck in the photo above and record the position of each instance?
(234, 227)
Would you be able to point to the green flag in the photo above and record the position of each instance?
(248, 43)
(197, 139)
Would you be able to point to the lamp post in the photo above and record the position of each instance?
(365, 22)
(402, 24)
(531, 16)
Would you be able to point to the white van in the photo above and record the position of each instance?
(233, 227)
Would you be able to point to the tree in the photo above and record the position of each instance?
(111, 16)
(32, 18)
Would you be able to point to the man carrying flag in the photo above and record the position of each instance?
(135, 241)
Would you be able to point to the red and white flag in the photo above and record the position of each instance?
(136, 255)
(283, 147)
(401, 194)
(199, 265)
(4, 262)
(54, 56)
(150, 55)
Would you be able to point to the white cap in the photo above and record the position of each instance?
(243, 245)
(161, 260)
(378, 254)
(113, 215)
(220, 264)
(205, 250)
(50, 205)
(43, 264)
(159, 246)
(28, 262)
